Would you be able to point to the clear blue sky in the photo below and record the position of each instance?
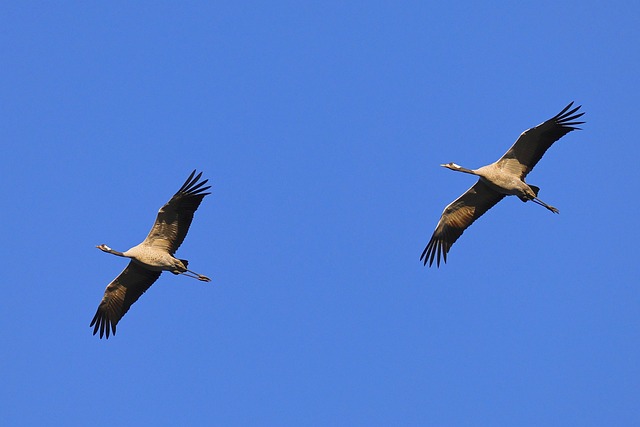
(321, 128)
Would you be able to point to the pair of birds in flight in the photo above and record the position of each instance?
(155, 254)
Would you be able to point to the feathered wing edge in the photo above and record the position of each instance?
(119, 295)
(174, 218)
(565, 117)
(456, 218)
(192, 187)
(531, 145)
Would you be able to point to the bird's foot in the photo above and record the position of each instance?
(541, 203)
(195, 275)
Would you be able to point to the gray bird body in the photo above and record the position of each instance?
(151, 257)
(505, 177)
(154, 259)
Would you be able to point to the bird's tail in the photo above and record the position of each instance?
(186, 263)
(525, 198)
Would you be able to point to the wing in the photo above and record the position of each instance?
(120, 295)
(456, 217)
(527, 151)
(174, 218)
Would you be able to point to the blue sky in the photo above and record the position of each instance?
(320, 127)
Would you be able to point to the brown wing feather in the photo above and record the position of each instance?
(456, 217)
(174, 218)
(120, 294)
(529, 148)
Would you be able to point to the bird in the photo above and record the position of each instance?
(505, 177)
(151, 257)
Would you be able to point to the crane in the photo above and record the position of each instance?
(151, 257)
(504, 177)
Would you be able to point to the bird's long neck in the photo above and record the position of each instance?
(114, 252)
(465, 170)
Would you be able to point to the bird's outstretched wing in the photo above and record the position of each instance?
(174, 218)
(120, 294)
(456, 217)
(529, 148)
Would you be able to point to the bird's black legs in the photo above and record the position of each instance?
(541, 203)
(195, 275)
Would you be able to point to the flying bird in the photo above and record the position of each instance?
(151, 257)
(503, 178)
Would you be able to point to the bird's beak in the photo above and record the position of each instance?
(443, 166)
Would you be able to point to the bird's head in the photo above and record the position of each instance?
(104, 248)
(452, 166)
